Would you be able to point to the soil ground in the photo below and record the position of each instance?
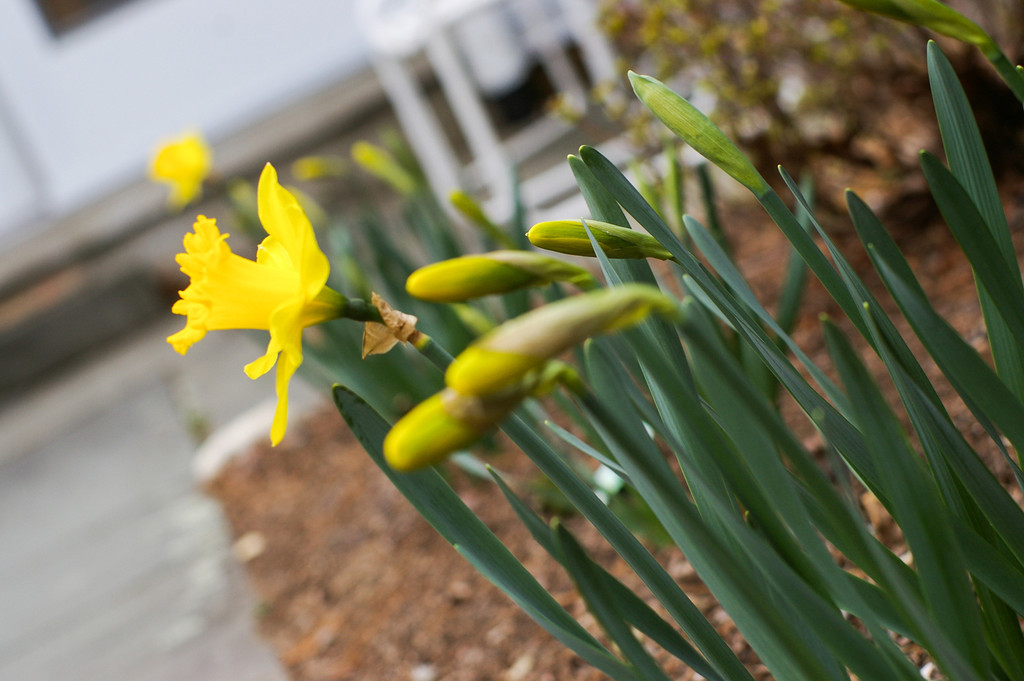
(355, 585)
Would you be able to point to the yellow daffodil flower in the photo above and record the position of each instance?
(184, 164)
(283, 291)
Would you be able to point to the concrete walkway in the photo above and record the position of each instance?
(113, 566)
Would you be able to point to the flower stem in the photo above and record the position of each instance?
(361, 311)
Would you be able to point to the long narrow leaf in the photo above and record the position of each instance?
(603, 604)
(661, 584)
(880, 245)
(827, 416)
(983, 392)
(965, 153)
(718, 563)
(634, 610)
(1002, 283)
(924, 521)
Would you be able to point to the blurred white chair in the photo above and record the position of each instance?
(477, 48)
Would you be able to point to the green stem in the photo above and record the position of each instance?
(1009, 73)
(433, 351)
(361, 311)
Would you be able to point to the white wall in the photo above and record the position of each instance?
(88, 107)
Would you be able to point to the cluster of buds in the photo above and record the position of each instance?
(513, 361)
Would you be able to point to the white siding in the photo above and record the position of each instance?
(89, 106)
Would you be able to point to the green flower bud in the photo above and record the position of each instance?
(427, 434)
(380, 162)
(472, 276)
(930, 14)
(697, 130)
(450, 421)
(503, 356)
(569, 236)
(319, 167)
(474, 212)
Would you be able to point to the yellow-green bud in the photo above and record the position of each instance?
(697, 130)
(426, 435)
(930, 14)
(568, 236)
(472, 276)
(504, 355)
(471, 209)
(443, 424)
(318, 167)
(381, 163)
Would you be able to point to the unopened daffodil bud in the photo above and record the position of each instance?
(440, 426)
(379, 161)
(450, 421)
(472, 276)
(183, 163)
(686, 121)
(504, 355)
(569, 236)
(930, 14)
(319, 167)
(471, 209)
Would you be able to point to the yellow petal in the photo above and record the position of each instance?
(286, 367)
(258, 367)
(285, 221)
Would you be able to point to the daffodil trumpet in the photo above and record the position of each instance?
(503, 356)
(570, 237)
(283, 291)
(473, 276)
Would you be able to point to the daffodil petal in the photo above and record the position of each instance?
(273, 253)
(262, 365)
(286, 329)
(286, 223)
(286, 367)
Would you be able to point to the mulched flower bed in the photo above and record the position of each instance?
(355, 585)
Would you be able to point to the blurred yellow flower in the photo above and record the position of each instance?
(183, 164)
(283, 291)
